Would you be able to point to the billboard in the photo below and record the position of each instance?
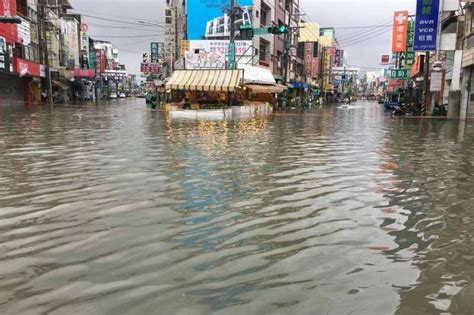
(211, 54)
(207, 19)
(400, 31)
(426, 27)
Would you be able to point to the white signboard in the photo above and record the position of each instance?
(436, 81)
(24, 35)
(212, 54)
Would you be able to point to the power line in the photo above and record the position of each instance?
(123, 22)
(127, 36)
(116, 16)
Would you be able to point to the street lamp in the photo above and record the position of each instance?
(10, 19)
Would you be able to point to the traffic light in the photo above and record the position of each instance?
(278, 29)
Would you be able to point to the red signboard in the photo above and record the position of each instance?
(100, 57)
(400, 31)
(150, 68)
(8, 30)
(26, 68)
(315, 67)
(417, 67)
(308, 58)
(84, 73)
(394, 82)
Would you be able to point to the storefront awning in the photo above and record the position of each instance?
(205, 80)
(60, 85)
(260, 88)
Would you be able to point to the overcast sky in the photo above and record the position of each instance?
(131, 38)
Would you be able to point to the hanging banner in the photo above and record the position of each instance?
(400, 30)
(426, 27)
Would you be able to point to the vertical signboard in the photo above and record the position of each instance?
(315, 68)
(154, 52)
(308, 58)
(207, 20)
(426, 26)
(8, 30)
(410, 35)
(400, 29)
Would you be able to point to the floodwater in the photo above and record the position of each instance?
(114, 209)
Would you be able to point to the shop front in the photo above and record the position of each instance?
(11, 88)
(30, 75)
(84, 84)
(214, 94)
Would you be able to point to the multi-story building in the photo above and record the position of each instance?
(175, 32)
(205, 28)
(21, 61)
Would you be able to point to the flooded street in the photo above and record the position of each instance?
(114, 209)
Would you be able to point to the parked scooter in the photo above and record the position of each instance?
(440, 110)
(403, 110)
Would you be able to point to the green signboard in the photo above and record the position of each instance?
(410, 58)
(399, 73)
(231, 53)
(261, 31)
(410, 35)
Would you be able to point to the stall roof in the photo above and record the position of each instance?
(258, 88)
(257, 75)
(205, 80)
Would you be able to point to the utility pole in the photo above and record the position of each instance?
(45, 54)
(231, 49)
(343, 80)
(287, 42)
(438, 47)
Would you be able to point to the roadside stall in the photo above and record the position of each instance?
(219, 94)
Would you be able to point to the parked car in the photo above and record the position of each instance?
(122, 95)
(113, 95)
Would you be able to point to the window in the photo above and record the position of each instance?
(263, 52)
(263, 18)
(168, 13)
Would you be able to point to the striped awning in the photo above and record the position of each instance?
(205, 80)
(261, 88)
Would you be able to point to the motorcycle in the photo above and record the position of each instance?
(440, 110)
(403, 110)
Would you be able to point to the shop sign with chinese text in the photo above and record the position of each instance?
(426, 28)
(400, 30)
(399, 74)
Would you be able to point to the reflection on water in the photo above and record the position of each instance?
(118, 210)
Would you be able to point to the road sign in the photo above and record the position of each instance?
(231, 50)
(399, 73)
(437, 66)
(84, 27)
(261, 31)
(436, 82)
